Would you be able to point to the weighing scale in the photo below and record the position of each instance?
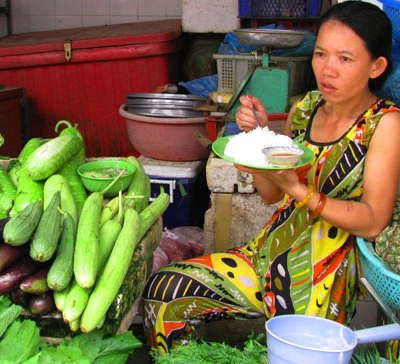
(269, 82)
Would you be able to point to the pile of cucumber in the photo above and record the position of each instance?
(65, 248)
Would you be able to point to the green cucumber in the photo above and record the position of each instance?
(13, 170)
(62, 269)
(80, 158)
(75, 302)
(152, 212)
(110, 210)
(114, 272)
(8, 192)
(86, 258)
(139, 186)
(69, 172)
(21, 227)
(45, 241)
(51, 156)
(57, 182)
(74, 325)
(78, 297)
(59, 298)
(28, 191)
(29, 148)
(108, 235)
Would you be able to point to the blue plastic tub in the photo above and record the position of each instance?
(382, 278)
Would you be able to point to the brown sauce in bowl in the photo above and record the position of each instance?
(283, 154)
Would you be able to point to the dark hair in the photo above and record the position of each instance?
(372, 25)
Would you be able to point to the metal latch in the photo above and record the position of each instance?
(68, 49)
(172, 186)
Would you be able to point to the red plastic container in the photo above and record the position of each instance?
(167, 139)
(106, 63)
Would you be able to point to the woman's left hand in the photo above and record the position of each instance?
(285, 179)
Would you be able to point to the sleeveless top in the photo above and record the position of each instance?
(304, 264)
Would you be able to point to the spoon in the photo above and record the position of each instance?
(255, 115)
(254, 112)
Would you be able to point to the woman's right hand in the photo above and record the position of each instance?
(245, 117)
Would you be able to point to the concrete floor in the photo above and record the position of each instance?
(236, 332)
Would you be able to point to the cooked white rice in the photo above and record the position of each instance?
(246, 148)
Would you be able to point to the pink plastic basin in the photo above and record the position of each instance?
(169, 139)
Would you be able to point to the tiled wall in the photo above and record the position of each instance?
(39, 15)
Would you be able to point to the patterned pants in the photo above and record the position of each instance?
(185, 294)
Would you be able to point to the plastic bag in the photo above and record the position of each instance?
(194, 236)
(160, 259)
(176, 247)
(202, 86)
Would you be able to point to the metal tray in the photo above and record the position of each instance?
(164, 102)
(166, 113)
(270, 38)
(164, 96)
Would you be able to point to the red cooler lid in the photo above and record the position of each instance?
(88, 37)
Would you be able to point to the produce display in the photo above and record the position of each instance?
(20, 342)
(387, 244)
(65, 248)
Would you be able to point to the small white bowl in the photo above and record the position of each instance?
(283, 156)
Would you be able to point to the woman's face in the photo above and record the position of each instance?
(342, 64)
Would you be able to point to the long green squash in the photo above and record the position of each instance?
(51, 156)
(139, 186)
(153, 211)
(21, 227)
(8, 192)
(62, 269)
(45, 240)
(80, 157)
(86, 258)
(57, 182)
(28, 190)
(70, 173)
(114, 272)
(78, 297)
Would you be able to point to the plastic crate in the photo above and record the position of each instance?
(279, 8)
(232, 70)
(392, 10)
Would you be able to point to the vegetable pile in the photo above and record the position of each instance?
(201, 352)
(20, 343)
(65, 248)
(387, 243)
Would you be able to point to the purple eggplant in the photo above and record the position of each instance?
(20, 297)
(36, 283)
(11, 254)
(42, 304)
(11, 277)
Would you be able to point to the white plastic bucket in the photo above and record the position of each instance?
(299, 339)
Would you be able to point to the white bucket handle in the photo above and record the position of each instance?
(378, 334)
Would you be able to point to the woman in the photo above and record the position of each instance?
(303, 261)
